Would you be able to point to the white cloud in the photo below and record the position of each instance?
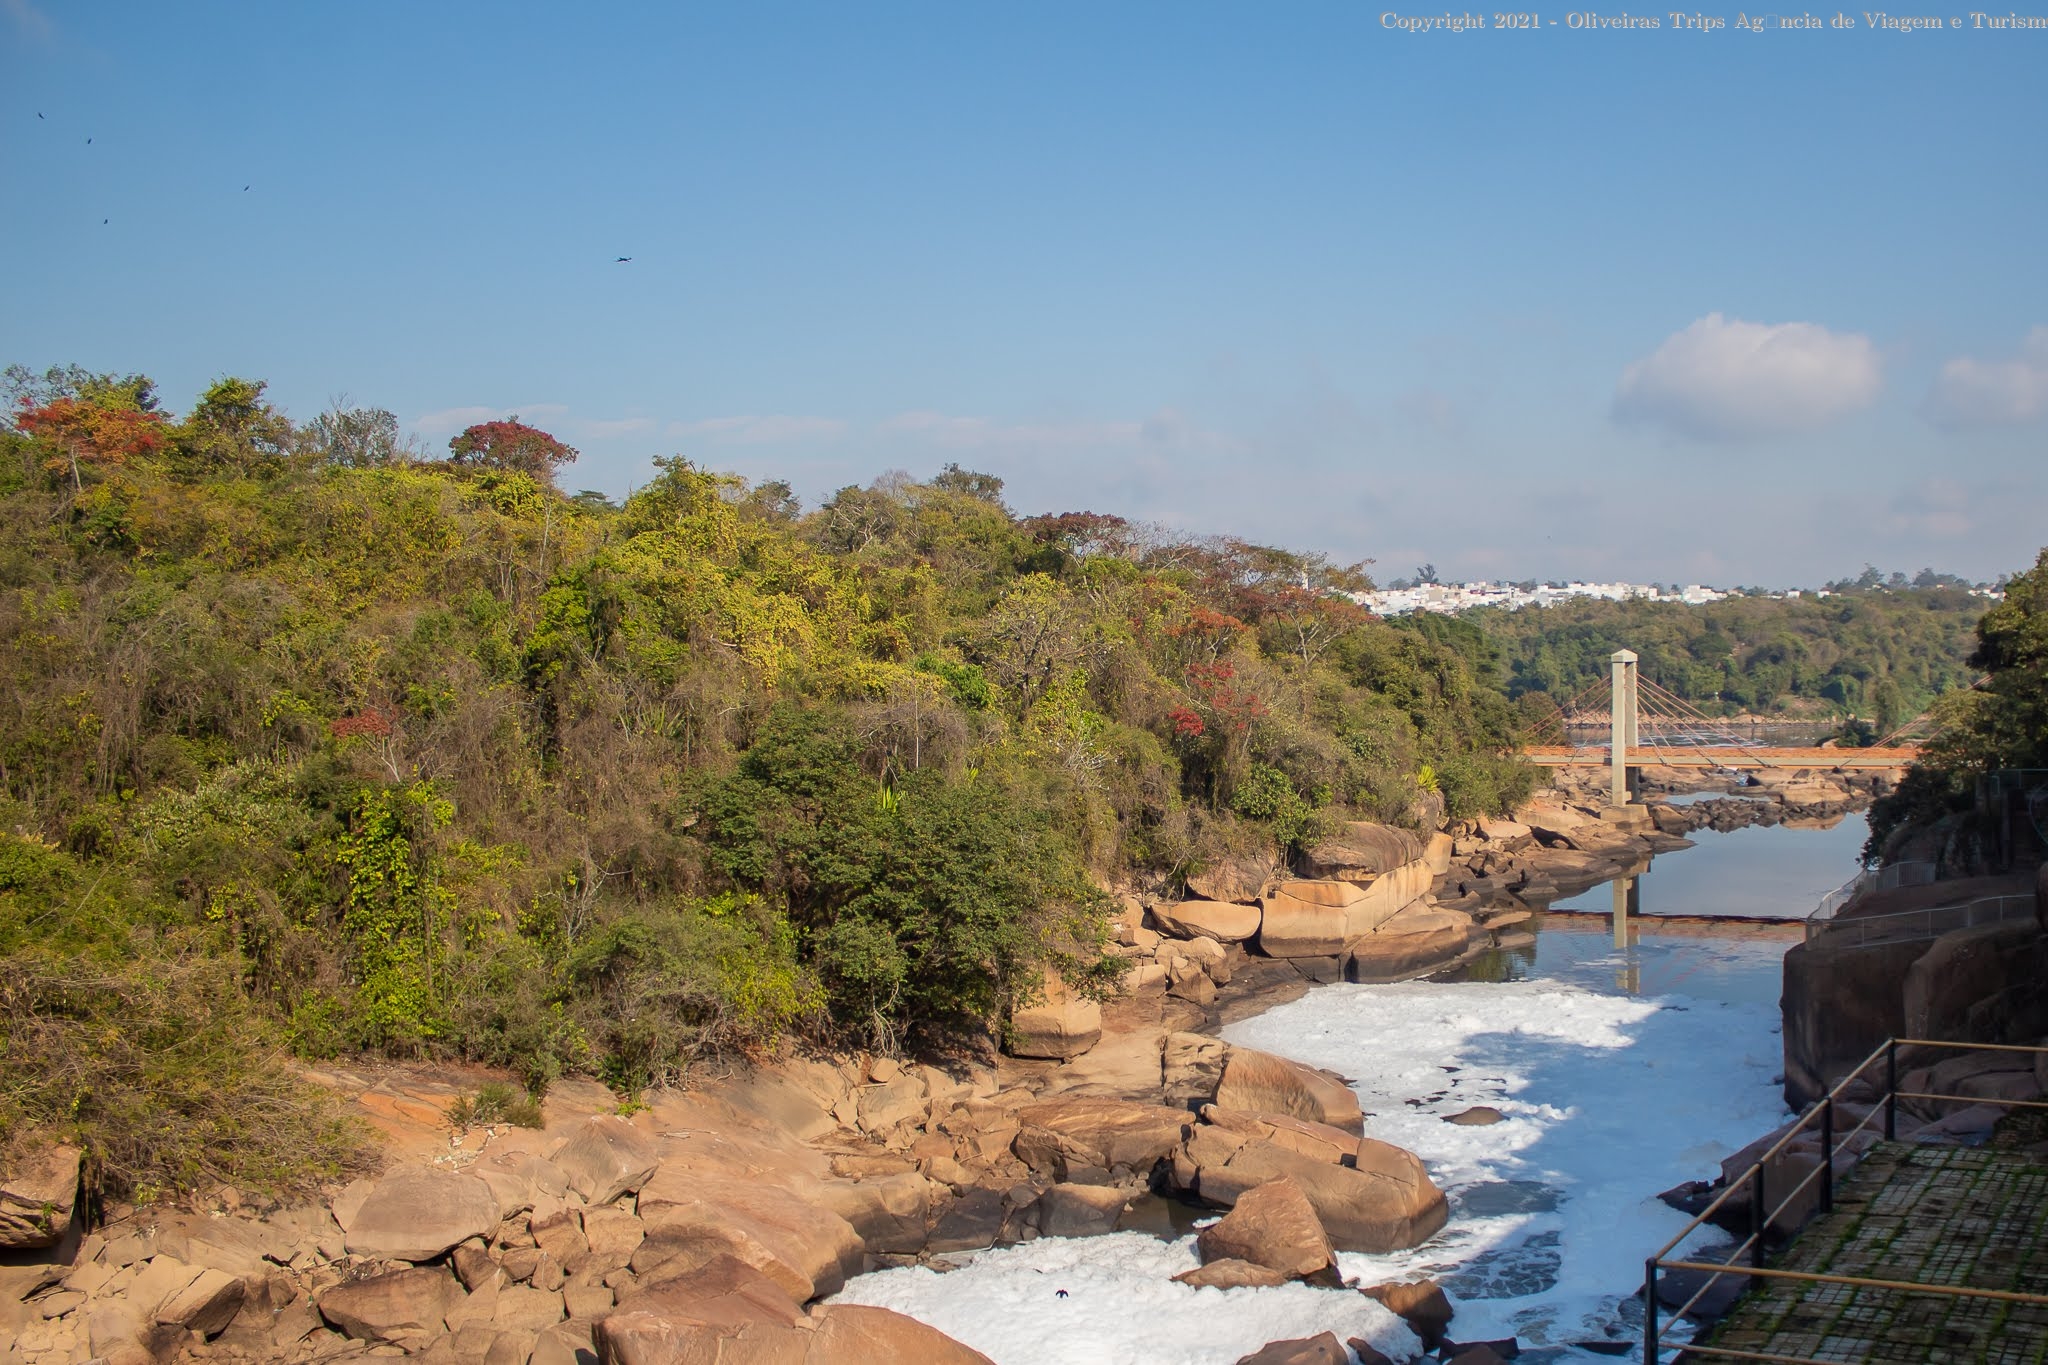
(1993, 393)
(1725, 379)
(448, 421)
(28, 18)
(1165, 428)
(754, 430)
(617, 426)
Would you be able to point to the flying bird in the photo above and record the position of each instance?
(88, 142)
(1059, 1293)
(622, 260)
(39, 113)
(245, 189)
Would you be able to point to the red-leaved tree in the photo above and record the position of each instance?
(90, 433)
(512, 446)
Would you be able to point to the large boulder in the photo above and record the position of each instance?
(1242, 879)
(417, 1213)
(1291, 927)
(403, 1306)
(653, 1330)
(1273, 1226)
(1230, 1274)
(1323, 1349)
(1080, 1210)
(37, 1196)
(1060, 1026)
(691, 1219)
(1362, 851)
(1224, 921)
(1386, 1202)
(1986, 984)
(1420, 938)
(607, 1157)
(1422, 1304)
(889, 1211)
(207, 1305)
(1319, 1140)
(855, 1333)
(1260, 1083)
(1063, 1138)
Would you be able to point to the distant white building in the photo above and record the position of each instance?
(1448, 599)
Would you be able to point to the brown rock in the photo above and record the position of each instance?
(1231, 1274)
(722, 1291)
(1417, 939)
(1191, 1065)
(206, 1306)
(690, 1220)
(1274, 1226)
(613, 1235)
(1420, 1303)
(1362, 851)
(606, 1158)
(849, 1333)
(1224, 921)
(1242, 879)
(1319, 1140)
(1323, 1349)
(1117, 1136)
(1385, 1203)
(1296, 928)
(403, 1305)
(37, 1196)
(1260, 1083)
(526, 1310)
(888, 1211)
(417, 1213)
(1060, 1026)
(1080, 1210)
(854, 1333)
(1478, 1116)
(891, 1104)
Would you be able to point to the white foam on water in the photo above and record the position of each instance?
(1121, 1306)
(1608, 1099)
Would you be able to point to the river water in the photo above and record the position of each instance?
(1620, 1072)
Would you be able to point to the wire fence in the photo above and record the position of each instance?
(1747, 1260)
(1904, 926)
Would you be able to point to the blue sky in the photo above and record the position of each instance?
(1727, 306)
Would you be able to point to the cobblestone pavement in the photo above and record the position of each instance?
(1932, 1215)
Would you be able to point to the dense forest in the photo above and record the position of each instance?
(315, 743)
(1876, 651)
(308, 742)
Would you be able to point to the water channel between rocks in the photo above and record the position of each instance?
(1619, 1072)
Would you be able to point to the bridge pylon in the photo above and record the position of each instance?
(1622, 716)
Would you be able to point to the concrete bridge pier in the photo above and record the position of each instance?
(1622, 734)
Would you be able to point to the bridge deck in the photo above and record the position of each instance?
(1701, 756)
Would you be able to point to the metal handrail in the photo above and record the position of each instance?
(1914, 873)
(1934, 921)
(1763, 1214)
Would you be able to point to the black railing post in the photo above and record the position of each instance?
(1891, 1089)
(1827, 1155)
(1759, 1215)
(1650, 1349)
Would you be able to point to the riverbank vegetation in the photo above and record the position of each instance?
(309, 742)
(1998, 727)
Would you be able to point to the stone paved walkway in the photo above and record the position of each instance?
(1932, 1215)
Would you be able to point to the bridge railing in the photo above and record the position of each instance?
(1784, 1217)
(1904, 926)
(1870, 879)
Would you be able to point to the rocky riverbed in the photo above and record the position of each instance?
(737, 1211)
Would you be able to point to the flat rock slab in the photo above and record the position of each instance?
(417, 1213)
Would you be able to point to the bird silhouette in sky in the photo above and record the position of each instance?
(245, 189)
(39, 113)
(622, 260)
